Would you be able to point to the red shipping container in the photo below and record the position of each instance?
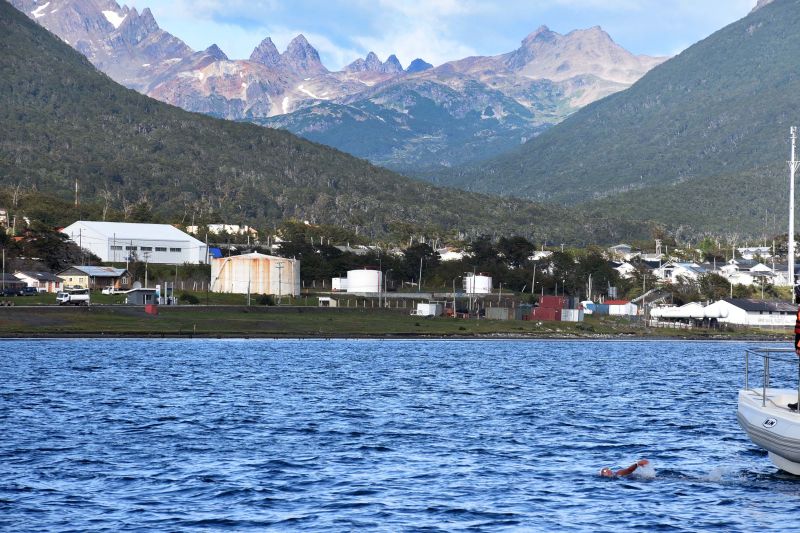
(546, 314)
(553, 302)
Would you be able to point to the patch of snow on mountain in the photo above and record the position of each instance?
(309, 93)
(285, 104)
(38, 12)
(114, 18)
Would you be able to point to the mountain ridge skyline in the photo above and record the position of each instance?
(439, 31)
(473, 107)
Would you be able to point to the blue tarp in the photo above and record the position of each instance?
(216, 253)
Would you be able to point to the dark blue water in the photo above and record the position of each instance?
(211, 435)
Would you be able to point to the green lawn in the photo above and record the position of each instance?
(302, 322)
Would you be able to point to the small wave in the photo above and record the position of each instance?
(645, 472)
(377, 448)
(86, 368)
(717, 474)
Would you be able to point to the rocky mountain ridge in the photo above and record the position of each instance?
(700, 141)
(424, 117)
(62, 120)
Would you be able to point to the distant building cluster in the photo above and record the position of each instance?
(118, 244)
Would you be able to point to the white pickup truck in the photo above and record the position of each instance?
(73, 297)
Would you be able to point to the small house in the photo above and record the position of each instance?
(622, 251)
(672, 270)
(625, 269)
(95, 277)
(41, 281)
(8, 281)
(141, 296)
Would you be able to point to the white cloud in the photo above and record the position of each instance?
(435, 30)
(420, 29)
(416, 43)
(434, 8)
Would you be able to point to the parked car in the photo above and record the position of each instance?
(9, 291)
(109, 290)
(29, 291)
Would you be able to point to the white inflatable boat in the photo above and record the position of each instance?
(763, 411)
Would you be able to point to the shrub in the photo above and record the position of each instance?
(187, 298)
(265, 299)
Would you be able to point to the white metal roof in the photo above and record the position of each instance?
(97, 271)
(133, 230)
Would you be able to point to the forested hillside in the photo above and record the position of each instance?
(62, 120)
(720, 112)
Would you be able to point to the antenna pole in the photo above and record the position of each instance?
(793, 164)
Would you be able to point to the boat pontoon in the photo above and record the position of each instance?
(764, 413)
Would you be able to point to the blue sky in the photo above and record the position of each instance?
(436, 30)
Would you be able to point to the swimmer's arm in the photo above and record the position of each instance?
(627, 471)
(631, 469)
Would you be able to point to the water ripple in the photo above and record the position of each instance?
(210, 435)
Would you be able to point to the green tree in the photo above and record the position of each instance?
(516, 250)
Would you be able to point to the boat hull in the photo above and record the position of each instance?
(773, 426)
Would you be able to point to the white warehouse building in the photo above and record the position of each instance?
(256, 273)
(118, 242)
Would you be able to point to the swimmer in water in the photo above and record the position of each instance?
(607, 472)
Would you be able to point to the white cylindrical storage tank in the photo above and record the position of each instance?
(477, 284)
(364, 281)
(256, 274)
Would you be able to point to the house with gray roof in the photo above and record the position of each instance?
(41, 281)
(95, 277)
(750, 312)
(672, 270)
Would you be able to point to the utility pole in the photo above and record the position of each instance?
(4, 269)
(454, 295)
(279, 266)
(76, 192)
(793, 164)
(146, 258)
(419, 281)
(472, 296)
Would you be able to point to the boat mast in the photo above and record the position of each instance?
(793, 164)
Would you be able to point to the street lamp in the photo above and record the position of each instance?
(384, 286)
(279, 266)
(454, 295)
